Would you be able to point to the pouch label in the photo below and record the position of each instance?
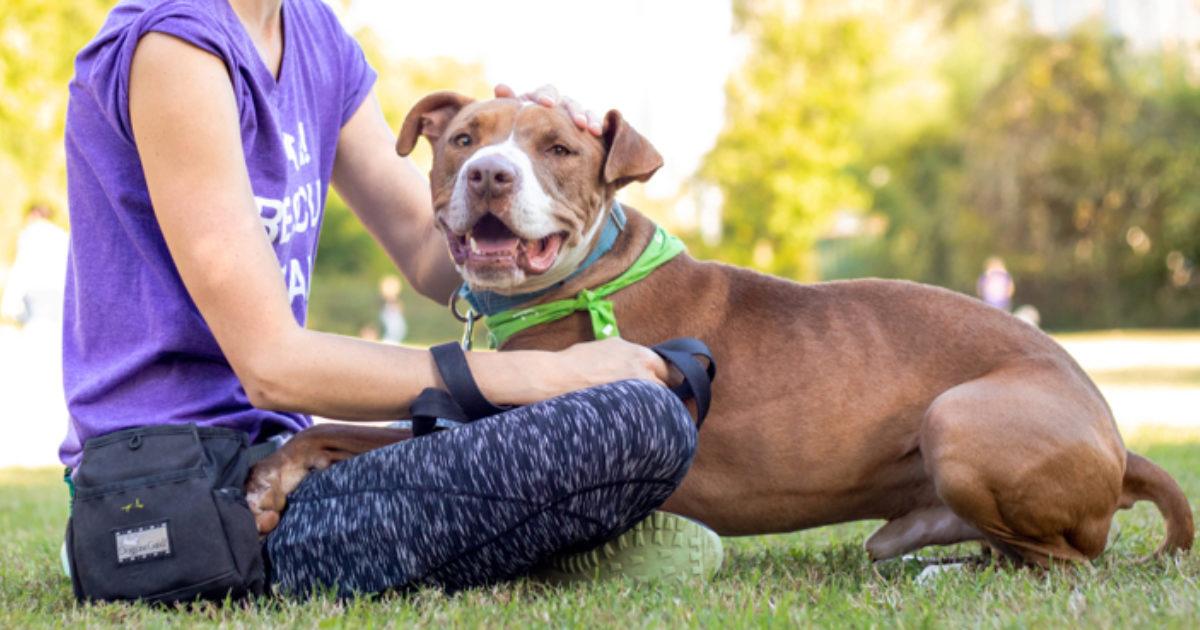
(145, 542)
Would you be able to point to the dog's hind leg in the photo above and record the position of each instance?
(937, 525)
(1029, 456)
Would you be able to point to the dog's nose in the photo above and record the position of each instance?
(491, 176)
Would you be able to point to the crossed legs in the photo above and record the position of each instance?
(489, 501)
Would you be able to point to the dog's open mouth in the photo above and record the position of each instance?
(491, 244)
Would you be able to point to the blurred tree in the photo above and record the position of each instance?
(345, 296)
(959, 133)
(783, 160)
(1075, 164)
(1080, 167)
(38, 42)
(827, 89)
(915, 150)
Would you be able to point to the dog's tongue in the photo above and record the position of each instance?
(493, 237)
(541, 254)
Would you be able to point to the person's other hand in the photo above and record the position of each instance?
(548, 96)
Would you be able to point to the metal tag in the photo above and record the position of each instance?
(145, 542)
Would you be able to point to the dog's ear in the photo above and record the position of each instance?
(429, 118)
(630, 157)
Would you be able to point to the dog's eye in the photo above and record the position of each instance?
(560, 150)
(461, 140)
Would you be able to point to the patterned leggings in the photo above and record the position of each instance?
(489, 501)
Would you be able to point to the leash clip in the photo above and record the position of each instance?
(468, 320)
(468, 336)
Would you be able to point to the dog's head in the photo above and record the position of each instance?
(518, 189)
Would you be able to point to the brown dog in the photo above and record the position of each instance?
(837, 401)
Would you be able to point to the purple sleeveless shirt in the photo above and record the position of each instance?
(136, 351)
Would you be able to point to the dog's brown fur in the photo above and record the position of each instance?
(842, 401)
(876, 399)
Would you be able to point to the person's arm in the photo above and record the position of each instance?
(185, 123)
(392, 200)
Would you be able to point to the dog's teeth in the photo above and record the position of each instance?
(474, 245)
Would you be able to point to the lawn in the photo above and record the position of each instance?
(821, 577)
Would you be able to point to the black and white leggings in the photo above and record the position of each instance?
(488, 501)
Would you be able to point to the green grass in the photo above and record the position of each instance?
(820, 577)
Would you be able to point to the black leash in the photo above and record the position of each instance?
(682, 353)
(464, 402)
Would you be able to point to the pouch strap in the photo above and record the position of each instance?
(259, 452)
(249, 456)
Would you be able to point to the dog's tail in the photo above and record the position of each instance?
(1145, 481)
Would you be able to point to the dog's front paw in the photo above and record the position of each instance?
(268, 486)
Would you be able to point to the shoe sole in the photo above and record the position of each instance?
(662, 546)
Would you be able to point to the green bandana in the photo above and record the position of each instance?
(663, 247)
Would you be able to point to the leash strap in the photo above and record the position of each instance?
(430, 405)
(464, 402)
(682, 354)
(456, 374)
(249, 457)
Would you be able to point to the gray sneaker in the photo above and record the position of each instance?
(663, 546)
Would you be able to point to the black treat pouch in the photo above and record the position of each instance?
(159, 515)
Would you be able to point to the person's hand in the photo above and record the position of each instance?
(595, 363)
(548, 96)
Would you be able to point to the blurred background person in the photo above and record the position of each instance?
(391, 314)
(34, 409)
(995, 285)
(1029, 314)
(34, 294)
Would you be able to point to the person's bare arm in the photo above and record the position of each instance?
(392, 200)
(185, 123)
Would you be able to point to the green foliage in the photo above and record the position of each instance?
(38, 42)
(1075, 166)
(960, 134)
(783, 160)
